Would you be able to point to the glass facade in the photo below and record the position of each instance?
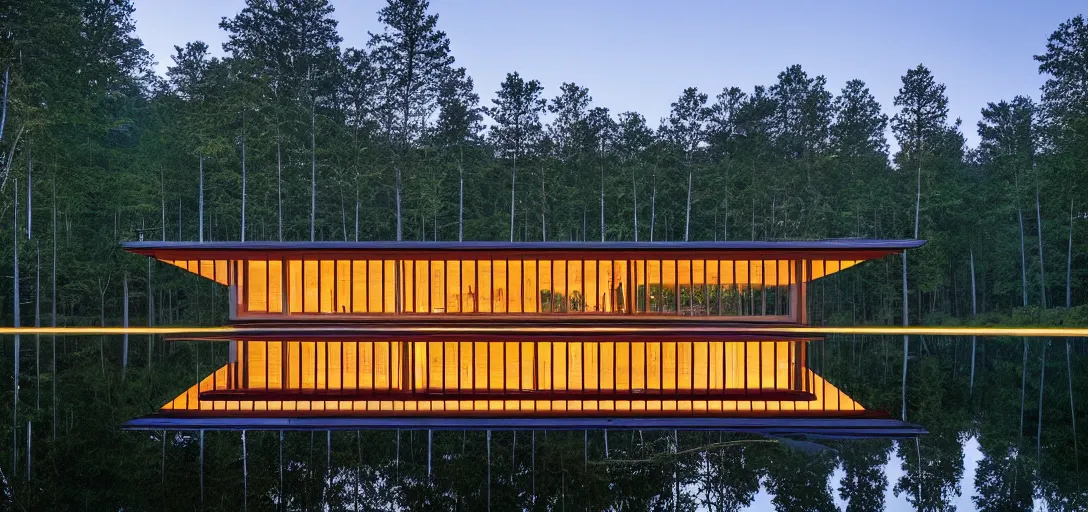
(752, 290)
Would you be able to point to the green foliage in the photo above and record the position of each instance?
(385, 136)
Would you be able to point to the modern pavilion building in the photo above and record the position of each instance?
(519, 335)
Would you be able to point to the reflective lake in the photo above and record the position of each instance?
(993, 445)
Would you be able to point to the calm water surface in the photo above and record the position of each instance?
(983, 451)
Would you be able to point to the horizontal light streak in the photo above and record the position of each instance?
(1055, 332)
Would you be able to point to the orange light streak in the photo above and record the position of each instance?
(1054, 332)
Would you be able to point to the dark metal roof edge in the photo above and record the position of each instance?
(824, 427)
(844, 244)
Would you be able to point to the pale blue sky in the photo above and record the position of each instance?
(639, 55)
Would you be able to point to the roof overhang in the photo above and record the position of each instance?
(837, 249)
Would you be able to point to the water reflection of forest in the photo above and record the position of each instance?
(983, 450)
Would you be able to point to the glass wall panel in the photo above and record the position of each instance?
(747, 289)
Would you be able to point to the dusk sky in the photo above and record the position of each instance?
(640, 55)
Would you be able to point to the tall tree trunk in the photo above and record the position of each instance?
(356, 214)
(243, 175)
(653, 205)
(53, 378)
(461, 195)
(918, 198)
(37, 324)
(202, 469)
(1023, 258)
(974, 311)
(725, 220)
(1069, 262)
(602, 202)
(124, 316)
(1023, 391)
(634, 197)
(1068, 358)
(343, 215)
(18, 340)
(687, 217)
(513, 181)
(1042, 276)
(584, 215)
(201, 206)
(906, 339)
(1072, 409)
(162, 197)
(29, 190)
(150, 316)
(543, 205)
(1039, 425)
(279, 187)
(313, 175)
(245, 474)
(4, 105)
(396, 186)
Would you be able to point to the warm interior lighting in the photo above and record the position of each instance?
(346, 378)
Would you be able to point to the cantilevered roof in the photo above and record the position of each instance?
(845, 248)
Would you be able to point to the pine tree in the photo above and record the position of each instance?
(412, 57)
(919, 124)
(685, 130)
(516, 111)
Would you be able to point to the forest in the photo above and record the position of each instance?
(290, 136)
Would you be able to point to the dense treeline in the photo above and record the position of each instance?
(291, 136)
(294, 137)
